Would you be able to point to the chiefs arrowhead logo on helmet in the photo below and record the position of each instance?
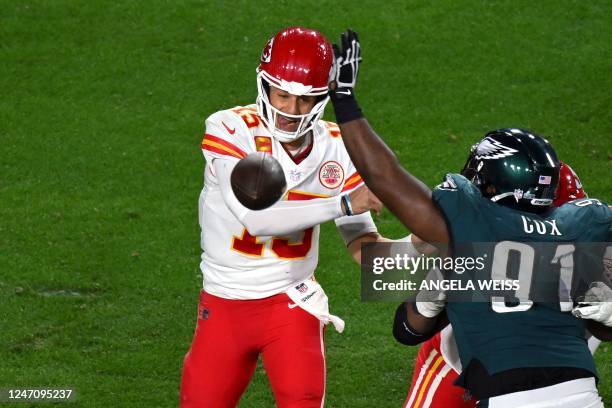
(266, 54)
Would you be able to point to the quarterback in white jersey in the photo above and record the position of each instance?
(255, 254)
(259, 295)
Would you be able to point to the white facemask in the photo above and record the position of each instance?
(269, 113)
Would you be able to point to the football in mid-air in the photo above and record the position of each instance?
(258, 181)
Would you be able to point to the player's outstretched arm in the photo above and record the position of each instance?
(286, 217)
(406, 196)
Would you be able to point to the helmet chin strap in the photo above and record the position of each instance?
(538, 202)
(500, 196)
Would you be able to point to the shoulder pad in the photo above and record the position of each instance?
(224, 119)
(331, 128)
(595, 207)
(454, 182)
(232, 124)
(248, 114)
(226, 134)
(447, 184)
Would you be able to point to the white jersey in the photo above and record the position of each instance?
(236, 265)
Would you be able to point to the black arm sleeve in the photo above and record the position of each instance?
(600, 331)
(403, 333)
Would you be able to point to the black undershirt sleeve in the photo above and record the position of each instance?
(405, 334)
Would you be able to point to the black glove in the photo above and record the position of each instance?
(346, 63)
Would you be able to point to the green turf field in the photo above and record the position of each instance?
(101, 112)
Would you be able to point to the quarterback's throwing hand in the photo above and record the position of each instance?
(362, 200)
(597, 304)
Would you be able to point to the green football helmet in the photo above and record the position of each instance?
(515, 168)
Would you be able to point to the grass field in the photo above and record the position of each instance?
(101, 112)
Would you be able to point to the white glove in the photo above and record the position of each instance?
(597, 304)
(430, 303)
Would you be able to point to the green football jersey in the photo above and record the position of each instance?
(504, 336)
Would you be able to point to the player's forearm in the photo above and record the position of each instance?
(406, 197)
(599, 330)
(354, 229)
(411, 328)
(354, 247)
(368, 151)
(403, 246)
(420, 323)
(286, 217)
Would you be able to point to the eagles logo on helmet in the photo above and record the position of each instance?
(299, 61)
(515, 167)
(492, 149)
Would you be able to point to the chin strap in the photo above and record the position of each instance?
(500, 196)
(538, 202)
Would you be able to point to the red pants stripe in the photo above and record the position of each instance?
(432, 381)
(231, 334)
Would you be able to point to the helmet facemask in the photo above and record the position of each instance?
(269, 113)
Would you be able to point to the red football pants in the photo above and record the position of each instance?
(432, 381)
(230, 335)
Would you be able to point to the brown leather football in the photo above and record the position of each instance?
(258, 181)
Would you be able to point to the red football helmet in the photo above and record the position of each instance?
(569, 187)
(298, 61)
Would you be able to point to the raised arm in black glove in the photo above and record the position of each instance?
(375, 161)
(347, 59)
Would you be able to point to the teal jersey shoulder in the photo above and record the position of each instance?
(501, 335)
(585, 220)
(474, 218)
